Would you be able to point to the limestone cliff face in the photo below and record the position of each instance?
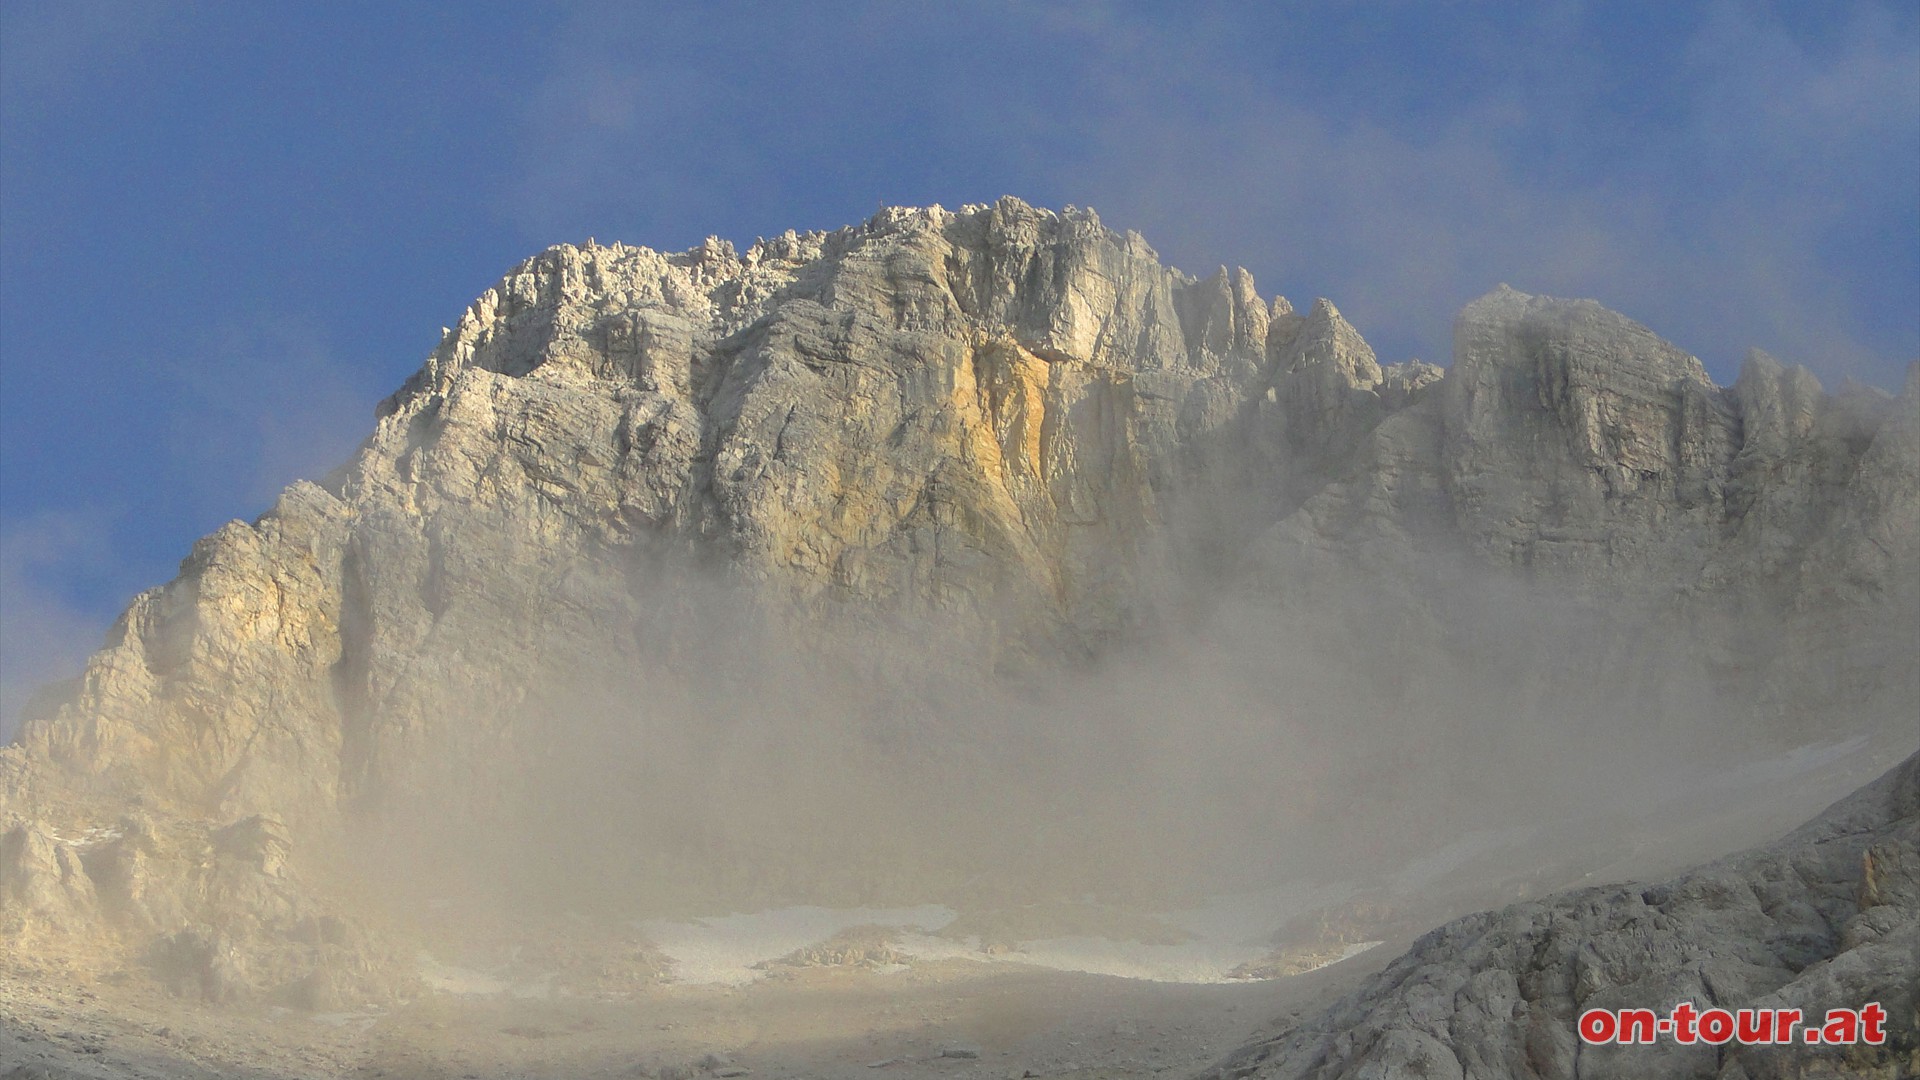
(1571, 441)
(1619, 440)
(1768, 530)
(1013, 421)
(988, 413)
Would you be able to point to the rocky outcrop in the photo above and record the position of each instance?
(1826, 917)
(1573, 448)
(216, 914)
(1013, 425)
(1570, 441)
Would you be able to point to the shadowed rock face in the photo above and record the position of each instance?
(1827, 917)
(1014, 425)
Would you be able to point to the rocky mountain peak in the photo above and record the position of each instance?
(1010, 432)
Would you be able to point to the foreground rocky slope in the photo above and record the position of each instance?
(1826, 917)
(945, 451)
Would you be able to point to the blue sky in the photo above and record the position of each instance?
(227, 229)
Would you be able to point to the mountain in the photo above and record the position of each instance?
(872, 563)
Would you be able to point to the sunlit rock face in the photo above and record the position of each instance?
(990, 415)
(1004, 437)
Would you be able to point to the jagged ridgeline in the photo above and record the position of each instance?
(967, 550)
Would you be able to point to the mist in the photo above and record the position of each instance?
(738, 755)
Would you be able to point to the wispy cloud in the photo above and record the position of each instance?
(1726, 176)
(264, 403)
(1713, 216)
(46, 634)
